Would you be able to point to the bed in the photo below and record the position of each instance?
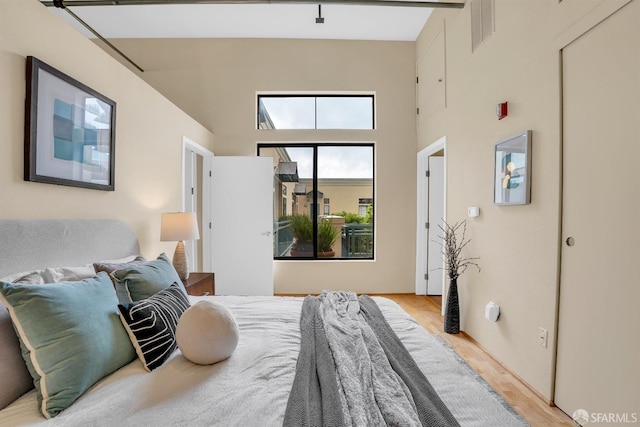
(250, 388)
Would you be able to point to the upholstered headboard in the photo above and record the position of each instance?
(29, 245)
(36, 244)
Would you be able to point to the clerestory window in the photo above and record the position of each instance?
(320, 111)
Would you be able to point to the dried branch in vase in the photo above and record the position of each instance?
(453, 240)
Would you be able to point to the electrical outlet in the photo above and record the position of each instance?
(542, 337)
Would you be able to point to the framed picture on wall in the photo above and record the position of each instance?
(512, 173)
(69, 131)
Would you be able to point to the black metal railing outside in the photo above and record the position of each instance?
(357, 241)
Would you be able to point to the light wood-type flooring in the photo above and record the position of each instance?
(426, 310)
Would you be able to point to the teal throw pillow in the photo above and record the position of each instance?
(138, 282)
(70, 334)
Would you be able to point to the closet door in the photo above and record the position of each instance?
(598, 355)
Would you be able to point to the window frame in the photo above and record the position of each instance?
(316, 95)
(315, 146)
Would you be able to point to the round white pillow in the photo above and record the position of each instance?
(207, 333)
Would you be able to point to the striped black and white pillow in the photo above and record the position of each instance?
(151, 324)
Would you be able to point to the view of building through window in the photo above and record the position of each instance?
(323, 200)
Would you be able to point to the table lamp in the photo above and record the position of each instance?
(179, 226)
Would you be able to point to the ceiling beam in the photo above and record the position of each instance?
(399, 3)
(99, 36)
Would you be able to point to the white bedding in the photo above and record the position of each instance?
(251, 388)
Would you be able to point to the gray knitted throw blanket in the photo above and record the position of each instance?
(353, 370)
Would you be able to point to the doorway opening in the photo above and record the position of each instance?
(196, 197)
(431, 210)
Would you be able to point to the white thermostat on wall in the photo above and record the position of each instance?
(473, 211)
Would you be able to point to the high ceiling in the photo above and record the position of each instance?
(249, 20)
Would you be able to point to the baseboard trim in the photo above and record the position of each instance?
(506, 368)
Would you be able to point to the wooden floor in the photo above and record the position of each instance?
(426, 310)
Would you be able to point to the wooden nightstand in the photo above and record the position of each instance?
(200, 284)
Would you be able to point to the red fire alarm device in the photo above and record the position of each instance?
(501, 110)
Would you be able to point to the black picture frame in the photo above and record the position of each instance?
(512, 171)
(69, 136)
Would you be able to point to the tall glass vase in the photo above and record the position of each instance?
(452, 310)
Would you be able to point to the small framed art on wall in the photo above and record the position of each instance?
(512, 173)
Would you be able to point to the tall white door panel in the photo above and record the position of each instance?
(436, 214)
(598, 354)
(192, 177)
(242, 225)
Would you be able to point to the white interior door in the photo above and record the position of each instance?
(190, 192)
(423, 270)
(196, 164)
(436, 214)
(242, 225)
(598, 354)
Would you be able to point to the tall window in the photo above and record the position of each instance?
(327, 186)
(316, 112)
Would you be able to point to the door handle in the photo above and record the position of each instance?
(266, 233)
(570, 241)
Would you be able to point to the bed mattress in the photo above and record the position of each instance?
(251, 388)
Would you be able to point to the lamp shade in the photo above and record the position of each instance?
(179, 226)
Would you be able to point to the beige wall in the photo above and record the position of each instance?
(149, 130)
(216, 81)
(518, 246)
